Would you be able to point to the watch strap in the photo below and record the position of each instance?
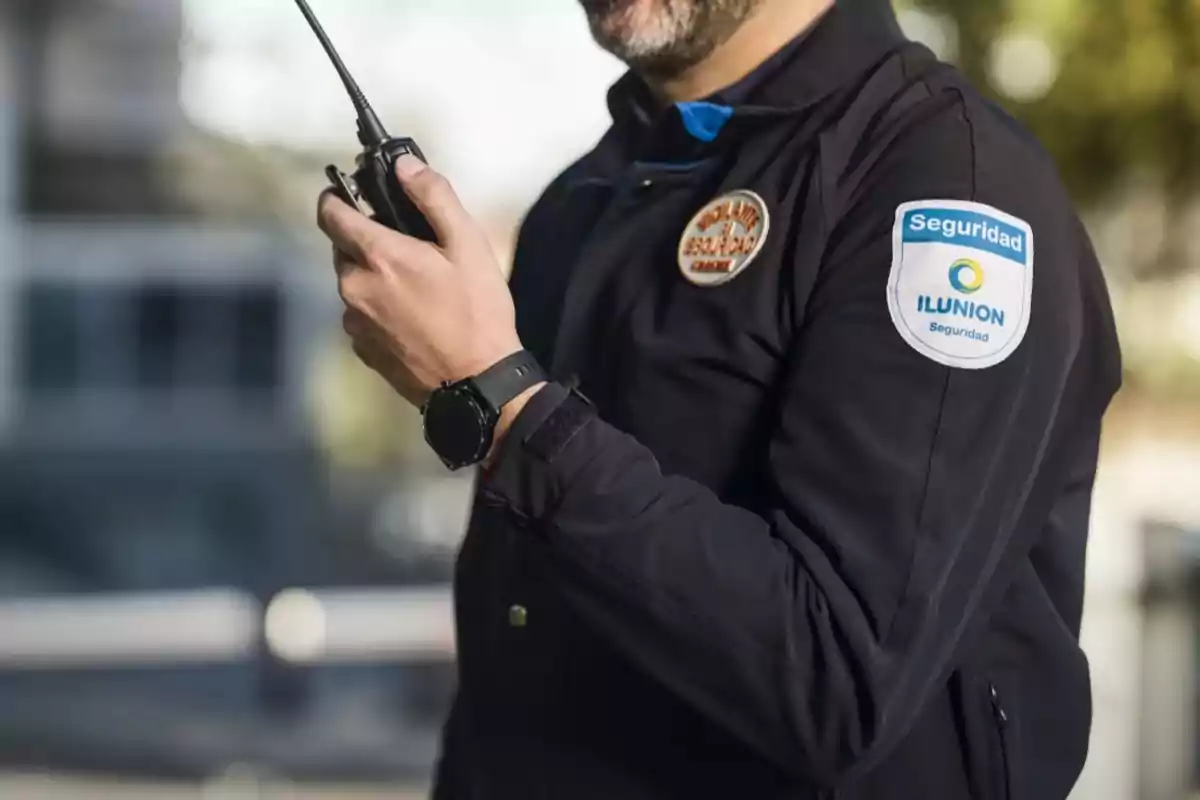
(508, 377)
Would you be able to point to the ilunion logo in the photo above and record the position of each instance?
(966, 276)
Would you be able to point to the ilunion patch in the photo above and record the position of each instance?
(961, 283)
(723, 238)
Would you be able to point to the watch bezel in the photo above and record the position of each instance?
(485, 416)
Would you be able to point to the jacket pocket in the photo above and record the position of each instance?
(1002, 749)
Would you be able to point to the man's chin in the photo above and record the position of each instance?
(603, 9)
(664, 38)
(640, 32)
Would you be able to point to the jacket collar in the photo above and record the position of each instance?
(840, 47)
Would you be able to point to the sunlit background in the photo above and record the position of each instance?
(225, 553)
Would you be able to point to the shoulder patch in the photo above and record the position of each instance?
(961, 283)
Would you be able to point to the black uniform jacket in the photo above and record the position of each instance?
(780, 550)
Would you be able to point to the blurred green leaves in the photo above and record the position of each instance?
(1124, 104)
(1112, 89)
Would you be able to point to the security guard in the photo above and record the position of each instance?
(789, 443)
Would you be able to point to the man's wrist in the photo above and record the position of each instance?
(508, 415)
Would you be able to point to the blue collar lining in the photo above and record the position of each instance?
(704, 120)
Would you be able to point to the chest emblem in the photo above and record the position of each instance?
(723, 238)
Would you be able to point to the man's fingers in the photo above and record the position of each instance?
(376, 357)
(350, 231)
(342, 262)
(369, 354)
(366, 242)
(433, 195)
(363, 339)
(355, 323)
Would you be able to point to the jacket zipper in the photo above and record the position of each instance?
(1001, 720)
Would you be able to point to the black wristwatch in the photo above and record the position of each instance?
(460, 418)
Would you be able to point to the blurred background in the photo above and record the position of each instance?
(224, 552)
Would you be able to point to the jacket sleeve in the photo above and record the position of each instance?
(903, 493)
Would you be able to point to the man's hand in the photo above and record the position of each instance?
(420, 314)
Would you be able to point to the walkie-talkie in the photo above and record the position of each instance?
(374, 178)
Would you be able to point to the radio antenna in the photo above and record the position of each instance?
(371, 132)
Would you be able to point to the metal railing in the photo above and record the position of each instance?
(299, 626)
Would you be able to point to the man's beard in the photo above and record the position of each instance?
(663, 38)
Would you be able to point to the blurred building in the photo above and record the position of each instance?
(160, 486)
(98, 83)
(140, 341)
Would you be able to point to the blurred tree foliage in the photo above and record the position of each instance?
(1126, 102)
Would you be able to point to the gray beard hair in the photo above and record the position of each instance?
(674, 36)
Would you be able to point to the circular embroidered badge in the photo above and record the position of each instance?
(723, 238)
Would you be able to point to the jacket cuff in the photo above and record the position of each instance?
(535, 460)
(540, 406)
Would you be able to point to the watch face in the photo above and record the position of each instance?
(457, 426)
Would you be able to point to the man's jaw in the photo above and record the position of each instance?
(649, 35)
(665, 40)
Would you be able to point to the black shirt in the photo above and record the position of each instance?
(819, 526)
